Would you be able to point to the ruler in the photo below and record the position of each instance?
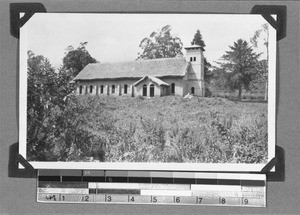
(146, 187)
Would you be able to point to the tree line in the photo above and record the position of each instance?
(237, 69)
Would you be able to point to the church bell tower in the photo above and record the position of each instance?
(195, 75)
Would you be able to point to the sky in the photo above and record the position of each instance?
(116, 37)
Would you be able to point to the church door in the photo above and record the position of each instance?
(192, 90)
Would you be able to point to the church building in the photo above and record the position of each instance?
(155, 77)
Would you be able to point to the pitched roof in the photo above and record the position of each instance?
(135, 69)
(194, 47)
(152, 78)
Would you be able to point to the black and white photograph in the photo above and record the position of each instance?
(145, 91)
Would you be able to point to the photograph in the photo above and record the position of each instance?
(147, 91)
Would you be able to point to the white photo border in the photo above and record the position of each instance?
(197, 167)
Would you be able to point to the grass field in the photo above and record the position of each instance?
(175, 129)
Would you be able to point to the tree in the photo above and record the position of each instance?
(76, 59)
(58, 126)
(263, 33)
(241, 63)
(45, 91)
(198, 39)
(160, 44)
(219, 80)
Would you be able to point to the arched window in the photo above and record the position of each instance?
(172, 88)
(151, 90)
(192, 90)
(91, 88)
(80, 89)
(125, 89)
(191, 59)
(113, 89)
(194, 58)
(144, 90)
(101, 89)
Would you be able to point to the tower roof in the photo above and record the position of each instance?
(194, 47)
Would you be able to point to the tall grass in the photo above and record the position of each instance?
(174, 129)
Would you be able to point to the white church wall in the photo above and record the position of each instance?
(198, 87)
(179, 84)
(107, 87)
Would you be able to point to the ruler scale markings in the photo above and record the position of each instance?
(224, 200)
(185, 200)
(100, 198)
(162, 199)
(139, 199)
(202, 188)
(207, 200)
(69, 198)
(254, 202)
(86, 198)
(116, 198)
